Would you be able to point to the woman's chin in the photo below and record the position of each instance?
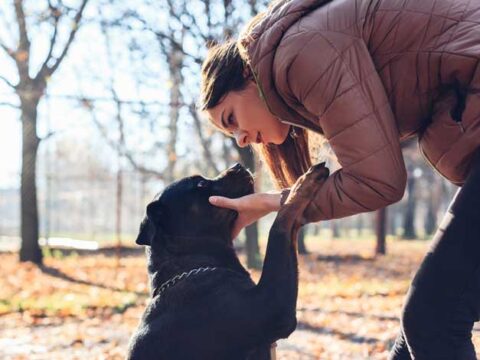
(277, 138)
(281, 139)
(274, 141)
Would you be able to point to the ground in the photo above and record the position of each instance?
(87, 306)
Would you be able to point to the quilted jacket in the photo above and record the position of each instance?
(369, 74)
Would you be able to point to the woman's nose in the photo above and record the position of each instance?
(241, 137)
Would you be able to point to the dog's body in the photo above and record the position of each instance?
(215, 311)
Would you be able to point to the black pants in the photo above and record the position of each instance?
(443, 301)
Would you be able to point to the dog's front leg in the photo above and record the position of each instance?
(279, 281)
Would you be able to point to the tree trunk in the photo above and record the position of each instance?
(118, 213)
(175, 61)
(431, 218)
(302, 248)
(251, 244)
(359, 225)
(335, 229)
(30, 249)
(29, 90)
(433, 204)
(381, 229)
(409, 220)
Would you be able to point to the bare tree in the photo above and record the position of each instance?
(214, 26)
(174, 56)
(433, 201)
(30, 89)
(409, 231)
(302, 247)
(381, 247)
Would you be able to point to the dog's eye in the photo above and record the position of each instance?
(202, 184)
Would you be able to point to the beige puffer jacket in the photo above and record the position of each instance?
(369, 74)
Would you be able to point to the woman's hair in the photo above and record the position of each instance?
(288, 161)
(223, 70)
(226, 69)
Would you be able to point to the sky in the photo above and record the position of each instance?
(74, 77)
(63, 116)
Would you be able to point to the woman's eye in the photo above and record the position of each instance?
(230, 120)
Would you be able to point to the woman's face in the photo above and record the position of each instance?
(245, 116)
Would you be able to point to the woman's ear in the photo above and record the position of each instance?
(247, 73)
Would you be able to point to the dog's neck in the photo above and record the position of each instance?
(163, 267)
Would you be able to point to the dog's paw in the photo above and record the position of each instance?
(306, 185)
(303, 192)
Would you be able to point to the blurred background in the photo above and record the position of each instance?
(97, 115)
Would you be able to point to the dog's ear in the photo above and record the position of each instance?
(148, 227)
(147, 232)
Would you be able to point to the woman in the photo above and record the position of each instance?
(367, 75)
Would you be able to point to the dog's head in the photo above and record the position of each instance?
(183, 211)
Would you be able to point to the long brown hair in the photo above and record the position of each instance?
(226, 68)
(288, 161)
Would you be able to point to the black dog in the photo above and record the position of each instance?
(204, 304)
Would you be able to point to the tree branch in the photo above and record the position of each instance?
(10, 52)
(117, 148)
(203, 140)
(16, 107)
(197, 31)
(48, 136)
(23, 50)
(56, 18)
(161, 36)
(48, 71)
(109, 100)
(175, 44)
(6, 81)
(24, 43)
(7, 25)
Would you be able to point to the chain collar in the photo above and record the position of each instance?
(186, 274)
(170, 282)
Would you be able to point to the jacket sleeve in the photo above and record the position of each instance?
(333, 77)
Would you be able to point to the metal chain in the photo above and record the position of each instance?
(172, 281)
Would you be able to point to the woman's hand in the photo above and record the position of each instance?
(250, 208)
